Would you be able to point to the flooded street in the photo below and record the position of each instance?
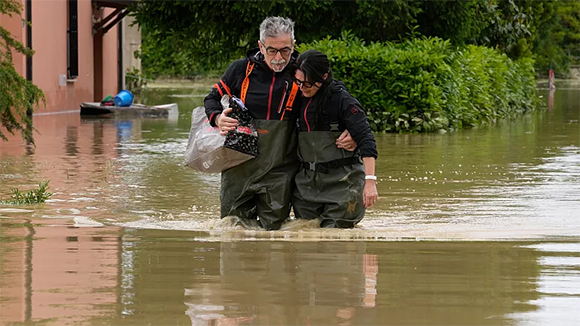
(473, 227)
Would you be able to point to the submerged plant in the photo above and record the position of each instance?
(33, 196)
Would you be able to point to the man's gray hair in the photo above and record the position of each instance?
(276, 26)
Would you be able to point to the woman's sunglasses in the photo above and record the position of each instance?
(304, 83)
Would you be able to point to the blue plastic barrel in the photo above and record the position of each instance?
(124, 98)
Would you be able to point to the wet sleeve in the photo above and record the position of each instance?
(226, 85)
(355, 120)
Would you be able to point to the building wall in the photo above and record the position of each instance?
(49, 40)
(110, 59)
(14, 26)
(131, 43)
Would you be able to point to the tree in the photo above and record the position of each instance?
(461, 22)
(569, 30)
(17, 95)
(189, 37)
(515, 25)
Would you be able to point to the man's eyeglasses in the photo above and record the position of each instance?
(283, 51)
(304, 83)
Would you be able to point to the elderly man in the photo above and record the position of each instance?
(259, 191)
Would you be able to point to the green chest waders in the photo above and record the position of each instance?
(330, 182)
(262, 187)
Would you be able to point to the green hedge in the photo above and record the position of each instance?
(424, 85)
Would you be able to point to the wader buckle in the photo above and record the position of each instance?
(325, 167)
(315, 167)
(312, 166)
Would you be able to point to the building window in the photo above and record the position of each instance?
(72, 40)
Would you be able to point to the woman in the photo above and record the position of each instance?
(333, 184)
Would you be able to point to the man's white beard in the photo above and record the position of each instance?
(278, 65)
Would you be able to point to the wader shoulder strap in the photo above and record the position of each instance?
(334, 106)
(246, 82)
(221, 85)
(291, 99)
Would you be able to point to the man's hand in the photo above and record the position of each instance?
(226, 123)
(345, 141)
(370, 194)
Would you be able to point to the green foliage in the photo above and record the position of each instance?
(135, 81)
(519, 28)
(461, 22)
(17, 95)
(559, 45)
(511, 25)
(186, 38)
(568, 31)
(34, 196)
(427, 84)
(192, 37)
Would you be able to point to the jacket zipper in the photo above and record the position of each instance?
(283, 98)
(305, 119)
(270, 96)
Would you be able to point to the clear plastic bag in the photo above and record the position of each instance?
(205, 148)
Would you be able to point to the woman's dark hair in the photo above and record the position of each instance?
(314, 64)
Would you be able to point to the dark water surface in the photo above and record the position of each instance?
(130, 237)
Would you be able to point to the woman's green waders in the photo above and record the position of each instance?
(262, 187)
(330, 182)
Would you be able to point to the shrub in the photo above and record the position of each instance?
(424, 85)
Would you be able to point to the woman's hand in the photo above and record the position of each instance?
(345, 141)
(370, 193)
(226, 123)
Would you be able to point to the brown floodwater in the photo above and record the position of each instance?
(473, 227)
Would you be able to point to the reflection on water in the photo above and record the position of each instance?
(52, 274)
(300, 283)
(558, 284)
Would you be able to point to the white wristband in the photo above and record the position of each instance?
(371, 177)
